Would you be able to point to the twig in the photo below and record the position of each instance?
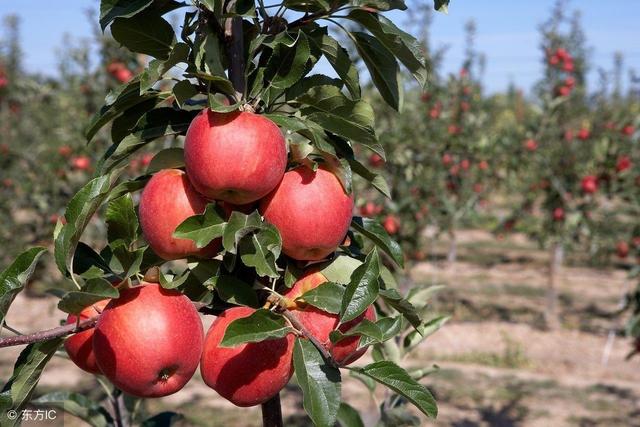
(305, 332)
(272, 412)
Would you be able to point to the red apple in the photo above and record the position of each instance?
(563, 90)
(447, 159)
(530, 145)
(589, 184)
(145, 160)
(312, 212)
(148, 342)
(465, 164)
(236, 157)
(376, 161)
(391, 223)
(167, 200)
(79, 347)
(623, 163)
(434, 113)
(628, 130)
(558, 214)
(583, 134)
(483, 165)
(248, 374)
(81, 162)
(622, 249)
(477, 188)
(321, 323)
(453, 130)
(65, 151)
(570, 81)
(568, 135)
(123, 75)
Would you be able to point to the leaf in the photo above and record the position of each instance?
(169, 158)
(78, 214)
(15, 277)
(382, 5)
(174, 282)
(77, 405)
(401, 44)
(259, 326)
(348, 416)
(377, 180)
(320, 383)
(327, 297)
(340, 61)
(202, 228)
(158, 68)
(287, 65)
(121, 219)
(363, 289)
(235, 291)
(372, 230)
(382, 66)
(333, 111)
(340, 269)
(441, 6)
(401, 305)
(111, 9)
(423, 331)
(163, 419)
(184, 91)
(146, 32)
(86, 259)
(17, 392)
(262, 251)
(397, 379)
(371, 332)
(238, 226)
(311, 6)
(93, 291)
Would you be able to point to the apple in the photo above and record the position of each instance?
(391, 223)
(465, 106)
(453, 129)
(568, 66)
(81, 162)
(563, 90)
(123, 75)
(434, 113)
(558, 214)
(530, 145)
(145, 160)
(65, 151)
(447, 159)
(312, 212)
(376, 161)
(483, 165)
(623, 163)
(369, 209)
(568, 135)
(248, 374)
(79, 347)
(570, 81)
(465, 164)
(583, 134)
(628, 130)
(477, 188)
(167, 200)
(321, 323)
(554, 60)
(148, 341)
(589, 184)
(622, 249)
(236, 157)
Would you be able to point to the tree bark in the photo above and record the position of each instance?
(272, 412)
(556, 257)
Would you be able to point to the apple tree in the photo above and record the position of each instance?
(244, 212)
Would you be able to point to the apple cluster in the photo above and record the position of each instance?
(149, 341)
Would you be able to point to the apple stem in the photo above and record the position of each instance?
(272, 412)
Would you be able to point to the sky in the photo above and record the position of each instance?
(507, 33)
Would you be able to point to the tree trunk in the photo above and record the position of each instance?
(556, 257)
(452, 253)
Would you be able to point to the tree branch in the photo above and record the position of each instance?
(235, 48)
(307, 334)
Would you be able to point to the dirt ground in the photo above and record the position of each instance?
(499, 365)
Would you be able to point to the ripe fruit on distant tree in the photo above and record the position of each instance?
(167, 200)
(583, 134)
(320, 323)
(81, 163)
(119, 71)
(447, 159)
(530, 145)
(628, 130)
(65, 151)
(483, 165)
(376, 161)
(568, 135)
(453, 129)
(148, 342)
(558, 214)
(312, 212)
(370, 209)
(477, 188)
(589, 184)
(248, 374)
(236, 157)
(563, 90)
(622, 249)
(465, 164)
(391, 223)
(623, 163)
(79, 347)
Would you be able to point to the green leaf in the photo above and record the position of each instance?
(122, 221)
(202, 228)
(382, 66)
(235, 291)
(184, 91)
(333, 111)
(14, 277)
(238, 226)
(311, 6)
(320, 383)
(397, 379)
(372, 230)
(17, 392)
(348, 416)
(340, 269)
(262, 251)
(371, 332)
(423, 331)
(382, 5)
(210, 56)
(163, 419)
(287, 65)
(77, 405)
(112, 9)
(86, 261)
(401, 305)
(441, 6)
(259, 326)
(363, 289)
(157, 68)
(169, 158)
(339, 59)
(78, 214)
(377, 180)
(327, 297)
(94, 290)
(146, 32)
(401, 44)
(173, 282)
